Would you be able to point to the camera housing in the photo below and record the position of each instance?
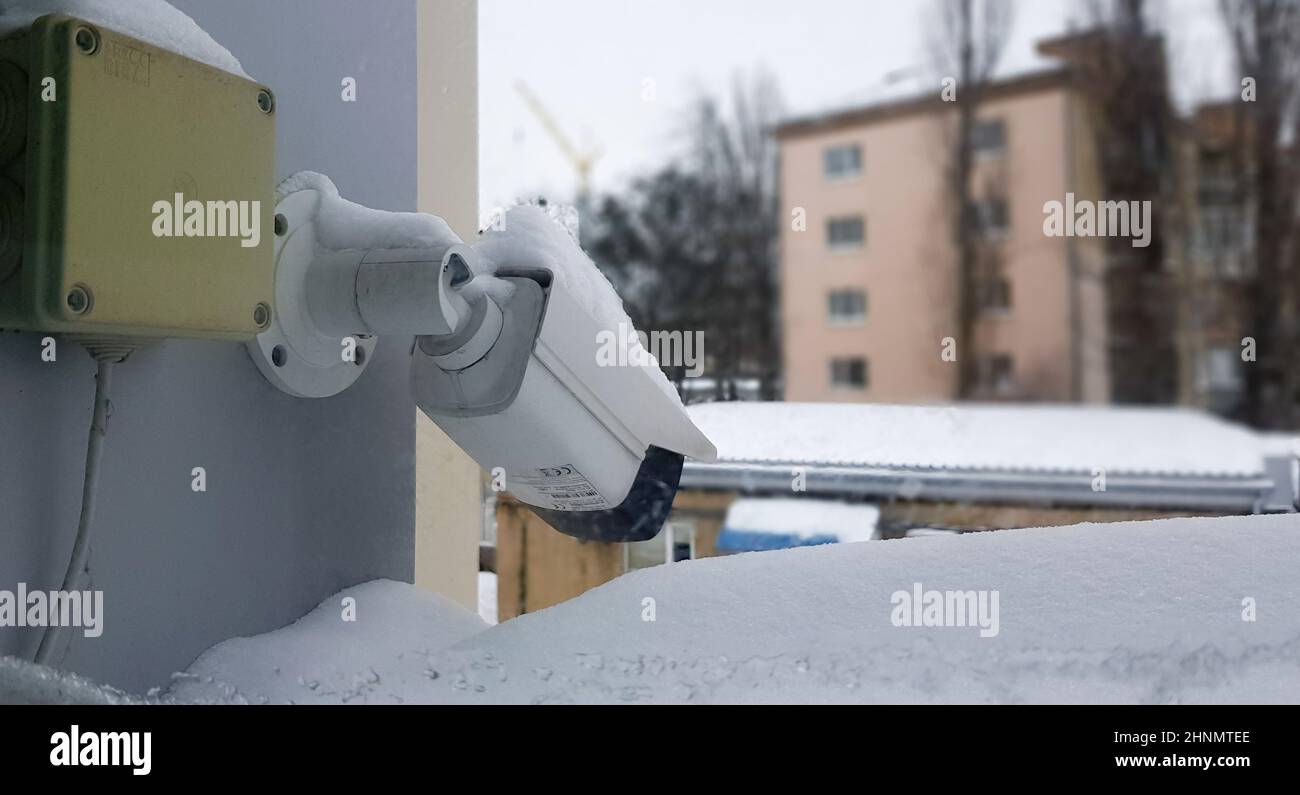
(595, 450)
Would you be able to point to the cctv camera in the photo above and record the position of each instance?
(506, 360)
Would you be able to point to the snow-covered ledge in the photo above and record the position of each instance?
(1180, 610)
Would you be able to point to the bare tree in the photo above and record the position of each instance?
(967, 42)
(1266, 45)
(693, 246)
(1118, 68)
(733, 151)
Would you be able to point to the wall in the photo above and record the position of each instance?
(304, 497)
(538, 567)
(448, 494)
(1087, 256)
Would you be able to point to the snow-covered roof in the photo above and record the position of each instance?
(1280, 444)
(1039, 438)
(754, 523)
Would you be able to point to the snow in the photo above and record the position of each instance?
(344, 224)
(988, 437)
(803, 518)
(23, 682)
(153, 21)
(324, 658)
(529, 237)
(1284, 445)
(930, 532)
(487, 596)
(1122, 612)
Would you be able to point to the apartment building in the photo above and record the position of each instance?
(868, 266)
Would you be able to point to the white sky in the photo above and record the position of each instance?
(588, 60)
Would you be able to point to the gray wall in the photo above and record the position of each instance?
(304, 497)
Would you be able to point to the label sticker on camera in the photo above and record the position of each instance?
(564, 487)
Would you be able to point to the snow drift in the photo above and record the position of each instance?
(1123, 612)
(364, 644)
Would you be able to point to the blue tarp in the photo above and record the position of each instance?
(736, 540)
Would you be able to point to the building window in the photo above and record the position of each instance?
(988, 138)
(674, 544)
(1217, 178)
(842, 162)
(1220, 380)
(846, 233)
(992, 218)
(1220, 370)
(848, 307)
(849, 373)
(679, 542)
(996, 374)
(1222, 240)
(993, 295)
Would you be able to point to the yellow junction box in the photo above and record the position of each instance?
(136, 189)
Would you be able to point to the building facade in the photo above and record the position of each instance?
(868, 264)
(1214, 258)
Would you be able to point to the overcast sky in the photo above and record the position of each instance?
(589, 62)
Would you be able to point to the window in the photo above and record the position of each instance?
(1222, 240)
(1220, 370)
(679, 541)
(675, 543)
(845, 233)
(1220, 379)
(988, 138)
(842, 162)
(996, 374)
(848, 306)
(992, 218)
(1217, 177)
(993, 295)
(849, 373)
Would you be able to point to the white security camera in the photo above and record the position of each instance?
(507, 358)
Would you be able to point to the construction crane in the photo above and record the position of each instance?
(582, 161)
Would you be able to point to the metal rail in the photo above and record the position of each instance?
(1242, 494)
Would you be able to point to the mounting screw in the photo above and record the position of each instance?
(262, 315)
(79, 300)
(265, 102)
(87, 40)
(281, 224)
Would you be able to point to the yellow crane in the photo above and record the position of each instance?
(582, 161)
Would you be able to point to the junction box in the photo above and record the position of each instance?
(97, 128)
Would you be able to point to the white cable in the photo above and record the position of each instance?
(72, 580)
